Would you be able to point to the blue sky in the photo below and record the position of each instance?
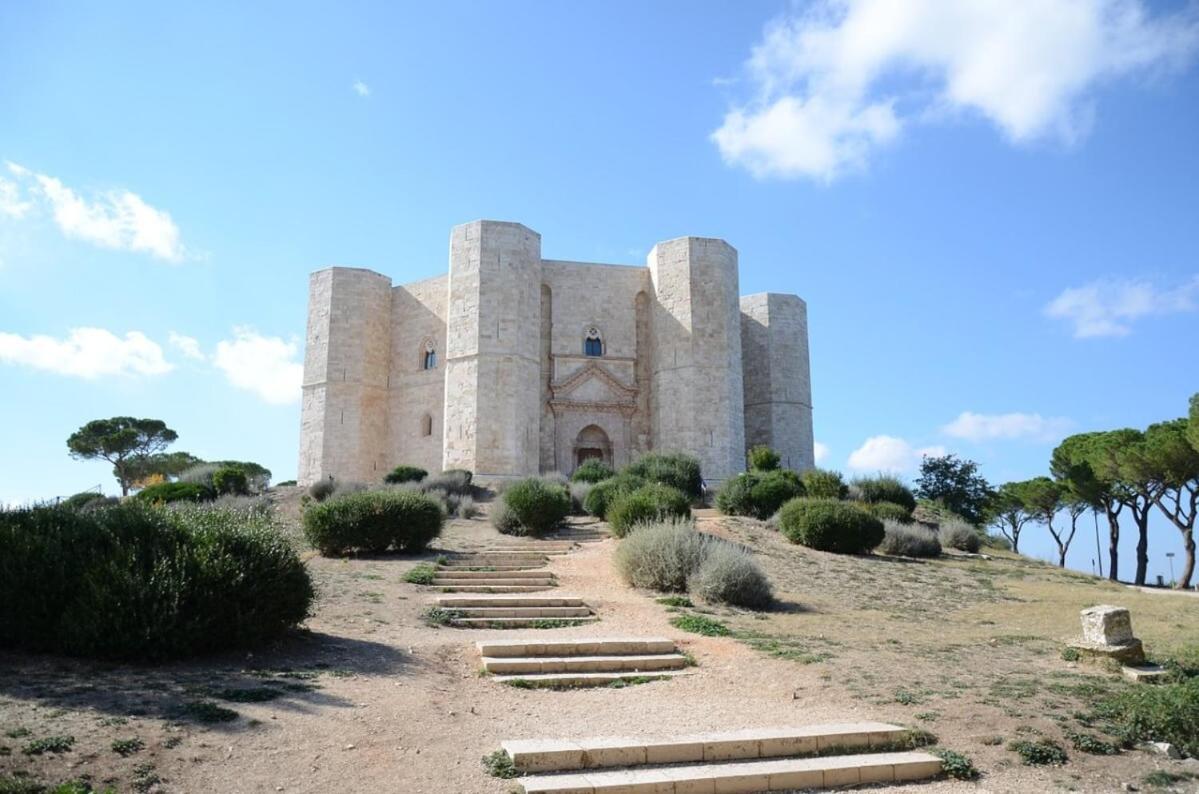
(991, 212)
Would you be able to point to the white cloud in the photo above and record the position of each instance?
(264, 365)
(10, 200)
(1109, 307)
(889, 454)
(361, 88)
(989, 427)
(843, 77)
(187, 345)
(116, 219)
(820, 451)
(86, 353)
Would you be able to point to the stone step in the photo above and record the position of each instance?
(523, 612)
(537, 566)
(570, 680)
(520, 665)
(539, 581)
(474, 587)
(566, 756)
(543, 573)
(464, 602)
(518, 623)
(533, 552)
(783, 774)
(580, 646)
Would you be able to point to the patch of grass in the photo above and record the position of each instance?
(1162, 779)
(555, 623)
(145, 778)
(928, 716)
(250, 695)
(421, 574)
(1164, 713)
(436, 616)
(956, 765)
(796, 649)
(621, 683)
(992, 741)
(127, 747)
(907, 697)
(172, 742)
(49, 744)
(698, 624)
(208, 712)
(499, 764)
(1043, 752)
(675, 601)
(1070, 654)
(17, 733)
(1086, 743)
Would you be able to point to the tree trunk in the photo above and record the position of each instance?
(1188, 565)
(1141, 517)
(1113, 549)
(1061, 556)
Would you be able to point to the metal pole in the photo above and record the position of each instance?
(1098, 550)
(1170, 557)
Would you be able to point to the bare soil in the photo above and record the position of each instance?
(369, 698)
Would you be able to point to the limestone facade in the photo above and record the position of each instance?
(510, 364)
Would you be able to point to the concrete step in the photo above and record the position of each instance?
(475, 587)
(571, 680)
(523, 612)
(532, 581)
(543, 573)
(521, 665)
(579, 646)
(534, 552)
(783, 774)
(518, 622)
(565, 756)
(462, 566)
(465, 602)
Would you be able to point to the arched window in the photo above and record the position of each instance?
(430, 358)
(426, 425)
(593, 344)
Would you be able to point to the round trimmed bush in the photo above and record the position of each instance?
(889, 511)
(373, 521)
(651, 502)
(908, 540)
(140, 582)
(538, 506)
(662, 556)
(885, 488)
(758, 494)
(676, 470)
(763, 458)
(404, 473)
(593, 470)
(166, 492)
(730, 575)
(830, 525)
(230, 480)
(824, 484)
(604, 493)
(959, 535)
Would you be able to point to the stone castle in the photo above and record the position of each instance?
(512, 365)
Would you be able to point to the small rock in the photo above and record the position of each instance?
(349, 747)
(453, 713)
(1161, 748)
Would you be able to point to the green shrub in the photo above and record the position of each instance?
(404, 473)
(830, 525)
(956, 766)
(1043, 752)
(286, 484)
(141, 582)
(763, 458)
(758, 494)
(504, 519)
(824, 484)
(885, 488)
(537, 506)
(699, 624)
(593, 470)
(907, 540)
(603, 493)
(322, 489)
(1162, 713)
(421, 573)
(676, 470)
(959, 535)
(165, 492)
(82, 500)
(1086, 743)
(230, 480)
(730, 575)
(662, 556)
(456, 482)
(373, 521)
(652, 502)
(888, 511)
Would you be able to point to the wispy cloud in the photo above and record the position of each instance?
(267, 366)
(970, 426)
(187, 345)
(116, 219)
(840, 78)
(820, 451)
(889, 454)
(86, 353)
(361, 89)
(1109, 307)
(11, 203)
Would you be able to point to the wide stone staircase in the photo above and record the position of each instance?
(515, 612)
(581, 661)
(755, 760)
(494, 572)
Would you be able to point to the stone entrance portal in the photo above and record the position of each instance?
(592, 444)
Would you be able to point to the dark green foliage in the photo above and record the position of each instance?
(676, 470)
(885, 488)
(373, 521)
(231, 480)
(499, 764)
(1192, 431)
(1158, 778)
(758, 493)
(81, 500)
(675, 601)
(258, 477)
(165, 492)
(604, 493)
(123, 441)
(49, 744)
(593, 470)
(24, 785)
(1163, 713)
(536, 505)
(286, 484)
(652, 502)
(127, 747)
(956, 765)
(699, 624)
(824, 484)
(424, 573)
(139, 582)
(404, 473)
(955, 483)
(763, 458)
(830, 525)
(1086, 743)
(889, 511)
(1043, 752)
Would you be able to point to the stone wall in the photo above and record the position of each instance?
(416, 401)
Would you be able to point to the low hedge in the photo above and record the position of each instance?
(604, 493)
(404, 473)
(758, 494)
(164, 492)
(651, 502)
(676, 470)
(140, 582)
(889, 511)
(536, 506)
(592, 471)
(830, 525)
(373, 521)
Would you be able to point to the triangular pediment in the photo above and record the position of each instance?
(593, 384)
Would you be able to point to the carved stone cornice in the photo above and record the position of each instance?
(560, 407)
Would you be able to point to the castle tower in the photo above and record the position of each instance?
(696, 381)
(493, 348)
(343, 417)
(778, 385)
